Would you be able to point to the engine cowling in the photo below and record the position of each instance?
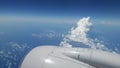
(60, 57)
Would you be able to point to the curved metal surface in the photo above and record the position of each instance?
(59, 57)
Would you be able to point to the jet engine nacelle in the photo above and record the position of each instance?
(61, 57)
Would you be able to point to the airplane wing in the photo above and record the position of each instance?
(59, 57)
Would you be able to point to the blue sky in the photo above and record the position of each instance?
(61, 9)
(103, 13)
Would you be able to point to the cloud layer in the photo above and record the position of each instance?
(45, 19)
(12, 54)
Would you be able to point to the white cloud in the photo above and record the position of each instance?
(48, 34)
(17, 46)
(79, 34)
(65, 44)
(11, 52)
(36, 35)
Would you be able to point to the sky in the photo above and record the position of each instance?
(59, 10)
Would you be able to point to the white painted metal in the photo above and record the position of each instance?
(59, 57)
